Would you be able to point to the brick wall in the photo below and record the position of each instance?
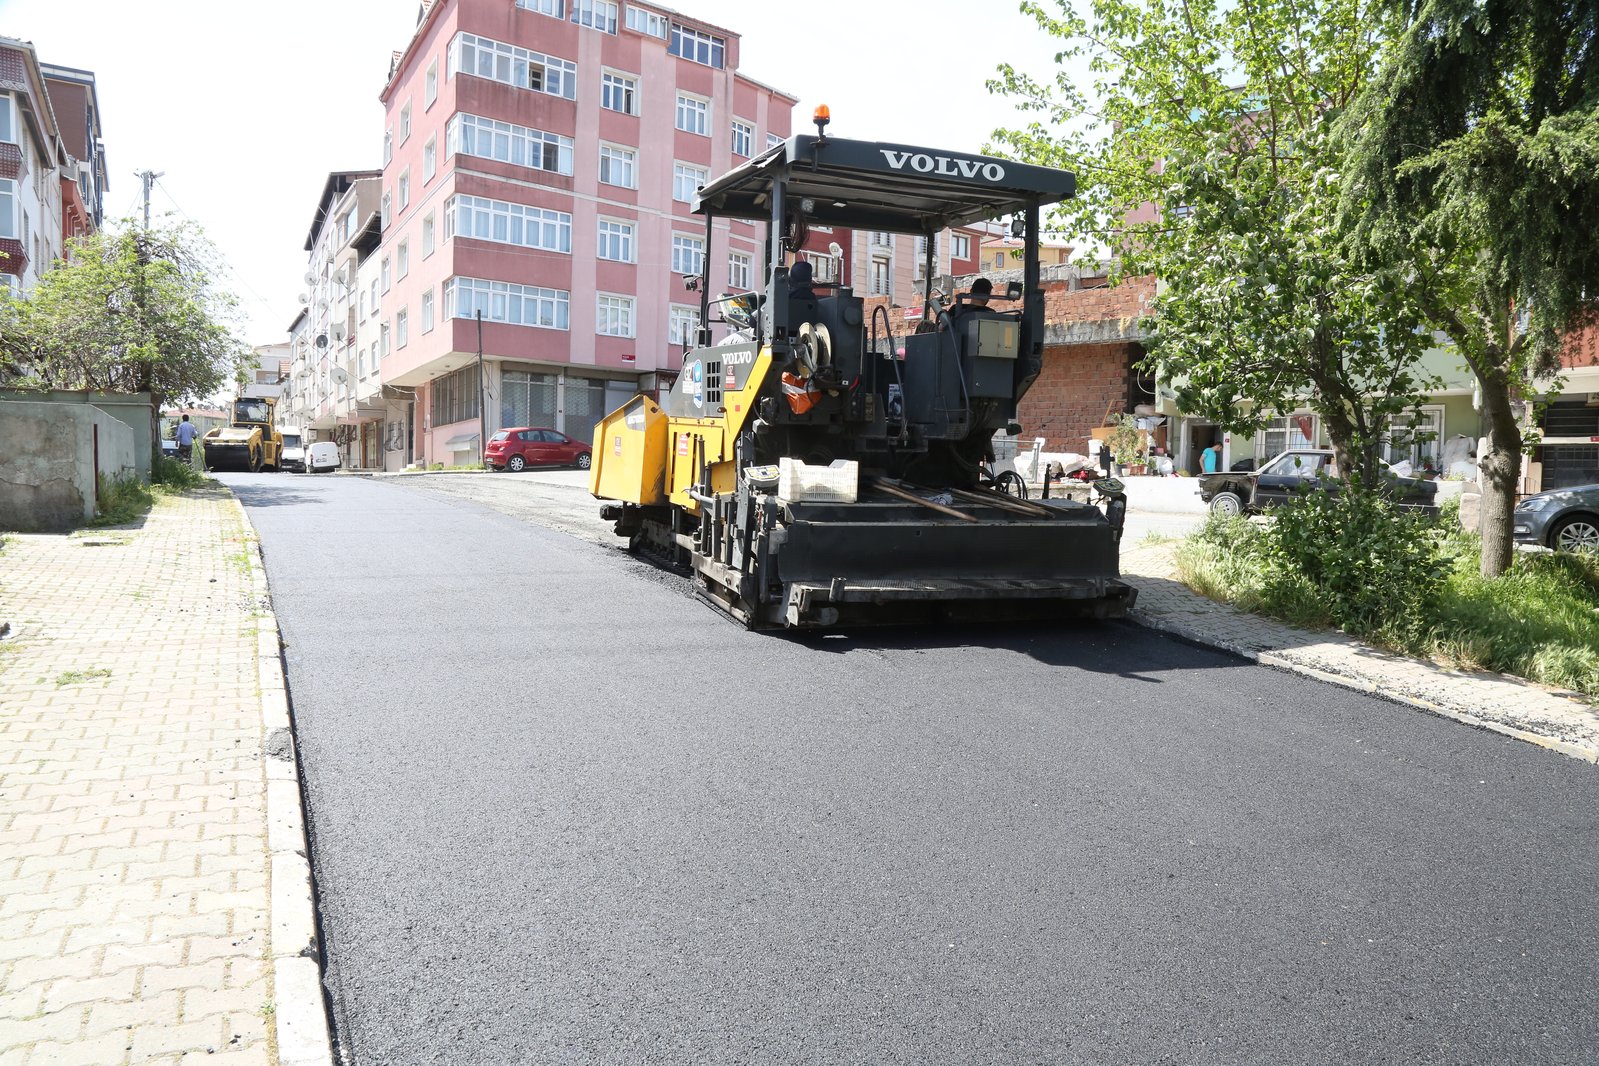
(1130, 299)
(1581, 347)
(1069, 399)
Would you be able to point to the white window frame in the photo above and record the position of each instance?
(388, 146)
(599, 15)
(698, 112)
(383, 273)
(402, 328)
(500, 221)
(552, 8)
(824, 268)
(619, 234)
(405, 122)
(506, 142)
(682, 323)
(508, 302)
(740, 269)
(1415, 451)
(617, 83)
(960, 246)
(430, 90)
(427, 311)
(743, 135)
(773, 140)
(650, 23)
(697, 46)
(429, 235)
(402, 259)
(686, 250)
(614, 156)
(509, 64)
(881, 281)
(687, 179)
(10, 205)
(405, 188)
(613, 315)
(1293, 438)
(430, 159)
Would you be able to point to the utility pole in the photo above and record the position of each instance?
(482, 407)
(147, 178)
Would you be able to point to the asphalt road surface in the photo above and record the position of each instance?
(562, 813)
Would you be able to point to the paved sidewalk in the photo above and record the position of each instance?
(137, 881)
(1564, 722)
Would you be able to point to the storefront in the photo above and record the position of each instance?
(1569, 454)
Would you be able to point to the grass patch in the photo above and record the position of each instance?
(173, 475)
(1539, 620)
(122, 500)
(78, 677)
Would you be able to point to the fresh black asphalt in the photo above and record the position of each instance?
(562, 813)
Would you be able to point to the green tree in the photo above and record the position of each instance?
(128, 310)
(1474, 165)
(1203, 153)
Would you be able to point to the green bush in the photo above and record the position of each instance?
(122, 500)
(175, 475)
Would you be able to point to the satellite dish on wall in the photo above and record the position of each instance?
(321, 340)
(304, 299)
(338, 333)
(339, 374)
(310, 277)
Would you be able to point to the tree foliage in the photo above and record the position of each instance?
(1474, 166)
(129, 310)
(1204, 156)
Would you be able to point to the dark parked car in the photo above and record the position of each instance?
(523, 446)
(1566, 520)
(1241, 492)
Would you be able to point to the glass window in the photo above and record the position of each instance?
(823, 267)
(772, 141)
(960, 246)
(882, 284)
(614, 315)
(427, 311)
(743, 138)
(697, 46)
(510, 65)
(430, 159)
(556, 8)
(402, 259)
(388, 147)
(649, 22)
(383, 211)
(616, 241)
(8, 208)
(491, 139)
(455, 396)
(1289, 431)
(8, 120)
(688, 254)
(405, 122)
(427, 236)
(619, 92)
(503, 301)
(687, 180)
(618, 166)
(683, 324)
(738, 270)
(1416, 438)
(596, 14)
(402, 333)
(693, 115)
(405, 188)
(431, 92)
(383, 273)
(508, 223)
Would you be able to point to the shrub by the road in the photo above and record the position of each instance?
(1364, 566)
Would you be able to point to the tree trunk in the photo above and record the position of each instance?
(1497, 471)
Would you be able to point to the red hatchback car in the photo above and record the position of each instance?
(523, 446)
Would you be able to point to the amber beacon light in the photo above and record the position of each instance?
(821, 116)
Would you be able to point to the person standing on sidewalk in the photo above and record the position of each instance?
(186, 434)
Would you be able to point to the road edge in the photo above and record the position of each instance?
(300, 1014)
(1194, 635)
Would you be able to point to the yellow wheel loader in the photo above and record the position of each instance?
(250, 442)
(814, 468)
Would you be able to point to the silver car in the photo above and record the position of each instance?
(1566, 520)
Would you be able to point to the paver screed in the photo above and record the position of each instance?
(134, 870)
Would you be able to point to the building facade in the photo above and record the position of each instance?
(33, 162)
(540, 163)
(76, 105)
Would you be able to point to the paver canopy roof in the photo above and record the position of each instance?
(882, 186)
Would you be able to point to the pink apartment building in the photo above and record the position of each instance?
(540, 160)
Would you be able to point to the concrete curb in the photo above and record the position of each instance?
(1585, 752)
(300, 1017)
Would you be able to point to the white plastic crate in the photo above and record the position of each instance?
(838, 482)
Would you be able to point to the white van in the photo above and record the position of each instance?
(323, 455)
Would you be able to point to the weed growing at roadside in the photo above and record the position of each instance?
(122, 500)
(176, 475)
(78, 677)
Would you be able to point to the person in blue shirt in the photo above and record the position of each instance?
(1210, 461)
(185, 436)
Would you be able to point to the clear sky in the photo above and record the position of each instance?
(245, 108)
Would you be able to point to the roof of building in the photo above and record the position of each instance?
(338, 181)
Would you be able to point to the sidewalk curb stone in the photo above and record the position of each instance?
(300, 1015)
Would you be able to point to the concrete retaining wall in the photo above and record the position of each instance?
(48, 462)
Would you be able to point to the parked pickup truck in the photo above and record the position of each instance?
(1256, 491)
